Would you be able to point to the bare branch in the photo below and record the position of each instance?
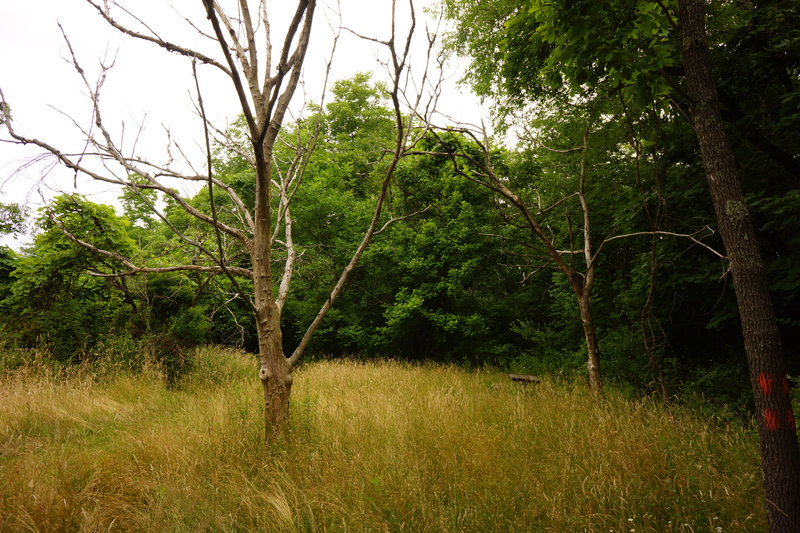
(279, 102)
(566, 151)
(221, 261)
(268, 37)
(689, 236)
(558, 202)
(399, 152)
(249, 65)
(529, 275)
(167, 45)
(110, 150)
(251, 36)
(291, 254)
(303, 154)
(399, 219)
(232, 72)
(132, 268)
(493, 182)
(160, 270)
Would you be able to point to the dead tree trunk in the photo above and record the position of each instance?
(592, 347)
(780, 459)
(275, 371)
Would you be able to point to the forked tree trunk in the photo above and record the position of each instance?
(581, 286)
(780, 459)
(275, 370)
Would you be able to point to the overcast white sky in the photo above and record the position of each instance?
(150, 86)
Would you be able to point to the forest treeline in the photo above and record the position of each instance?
(458, 275)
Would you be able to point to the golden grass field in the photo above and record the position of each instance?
(371, 447)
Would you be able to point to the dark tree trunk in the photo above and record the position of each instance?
(780, 458)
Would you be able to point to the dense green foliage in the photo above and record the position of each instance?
(622, 62)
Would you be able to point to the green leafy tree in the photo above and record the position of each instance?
(51, 300)
(13, 219)
(653, 52)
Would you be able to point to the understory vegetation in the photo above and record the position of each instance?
(372, 446)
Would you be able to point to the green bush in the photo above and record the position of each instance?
(551, 351)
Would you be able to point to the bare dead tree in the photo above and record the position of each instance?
(265, 81)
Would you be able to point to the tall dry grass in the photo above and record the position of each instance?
(372, 447)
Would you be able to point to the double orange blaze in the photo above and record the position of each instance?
(772, 418)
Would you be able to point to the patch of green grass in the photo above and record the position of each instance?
(371, 447)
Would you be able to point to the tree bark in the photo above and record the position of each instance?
(275, 371)
(593, 362)
(780, 458)
(584, 290)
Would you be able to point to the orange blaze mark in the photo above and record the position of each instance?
(785, 385)
(765, 383)
(790, 420)
(771, 419)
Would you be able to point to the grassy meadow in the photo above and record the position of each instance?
(371, 447)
